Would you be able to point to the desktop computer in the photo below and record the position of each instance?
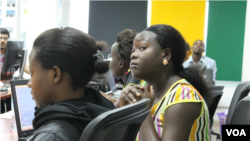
(14, 59)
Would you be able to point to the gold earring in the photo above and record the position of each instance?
(56, 79)
(165, 62)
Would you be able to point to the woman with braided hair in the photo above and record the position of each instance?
(120, 54)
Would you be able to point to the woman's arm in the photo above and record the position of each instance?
(113, 100)
(178, 122)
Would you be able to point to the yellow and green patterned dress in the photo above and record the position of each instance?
(181, 92)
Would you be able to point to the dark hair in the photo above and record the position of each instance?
(169, 37)
(199, 40)
(202, 43)
(73, 51)
(125, 41)
(101, 46)
(4, 31)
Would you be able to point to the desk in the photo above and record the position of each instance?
(5, 132)
(5, 95)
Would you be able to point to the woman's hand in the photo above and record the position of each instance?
(129, 95)
(147, 91)
(132, 94)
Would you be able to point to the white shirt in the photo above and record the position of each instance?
(210, 64)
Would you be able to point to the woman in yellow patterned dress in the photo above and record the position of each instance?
(179, 97)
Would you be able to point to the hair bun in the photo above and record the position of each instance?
(102, 45)
(126, 36)
(101, 66)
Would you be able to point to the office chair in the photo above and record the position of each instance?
(217, 93)
(240, 116)
(121, 124)
(240, 92)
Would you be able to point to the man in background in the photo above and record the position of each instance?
(4, 36)
(198, 59)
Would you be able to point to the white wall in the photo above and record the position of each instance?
(10, 23)
(149, 13)
(206, 25)
(41, 15)
(46, 14)
(79, 15)
(246, 52)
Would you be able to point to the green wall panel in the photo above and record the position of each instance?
(225, 38)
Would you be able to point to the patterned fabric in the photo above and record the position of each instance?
(181, 92)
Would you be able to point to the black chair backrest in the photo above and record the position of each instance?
(241, 114)
(240, 92)
(217, 92)
(121, 124)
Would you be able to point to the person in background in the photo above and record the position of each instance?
(62, 62)
(198, 58)
(179, 97)
(120, 54)
(4, 36)
(120, 59)
(99, 80)
(202, 67)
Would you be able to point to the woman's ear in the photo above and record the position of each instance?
(57, 74)
(121, 64)
(167, 54)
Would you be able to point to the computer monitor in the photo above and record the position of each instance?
(22, 64)
(14, 56)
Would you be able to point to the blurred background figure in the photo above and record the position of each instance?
(197, 58)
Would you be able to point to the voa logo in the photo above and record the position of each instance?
(236, 132)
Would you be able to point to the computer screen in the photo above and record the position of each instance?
(26, 106)
(13, 56)
(22, 64)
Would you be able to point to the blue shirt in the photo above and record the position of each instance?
(210, 64)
